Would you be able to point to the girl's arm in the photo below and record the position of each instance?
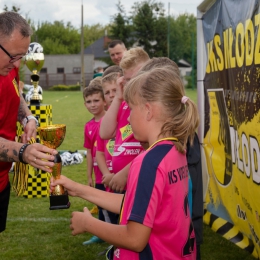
(133, 236)
(107, 200)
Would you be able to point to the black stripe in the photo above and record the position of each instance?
(237, 238)
(224, 229)
(146, 181)
(250, 248)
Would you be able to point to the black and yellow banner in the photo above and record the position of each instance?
(231, 32)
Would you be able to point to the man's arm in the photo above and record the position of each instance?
(30, 129)
(37, 155)
(23, 111)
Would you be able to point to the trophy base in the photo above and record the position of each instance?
(59, 201)
(35, 102)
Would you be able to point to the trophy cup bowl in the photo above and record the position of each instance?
(52, 136)
(34, 60)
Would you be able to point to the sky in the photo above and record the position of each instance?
(98, 11)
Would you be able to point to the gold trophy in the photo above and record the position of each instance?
(52, 136)
(34, 60)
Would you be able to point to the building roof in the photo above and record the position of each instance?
(98, 48)
(183, 63)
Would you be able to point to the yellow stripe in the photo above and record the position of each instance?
(219, 222)
(16, 87)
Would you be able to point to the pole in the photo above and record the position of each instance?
(192, 59)
(82, 51)
(168, 32)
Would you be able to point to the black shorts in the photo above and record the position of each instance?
(4, 202)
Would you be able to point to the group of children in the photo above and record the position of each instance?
(136, 143)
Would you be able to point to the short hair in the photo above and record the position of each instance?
(133, 57)
(99, 68)
(111, 77)
(11, 21)
(165, 86)
(158, 62)
(94, 87)
(111, 69)
(113, 43)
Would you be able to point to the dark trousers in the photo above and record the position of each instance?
(112, 216)
(4, 202)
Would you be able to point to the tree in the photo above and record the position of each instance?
(94, 32)
(150, 27)
(13, 9)
(120, 26)
(183, 37)
(183, 42)
(58, 38)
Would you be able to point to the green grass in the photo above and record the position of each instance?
(35, 232)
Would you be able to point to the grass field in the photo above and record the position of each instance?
(35, 232)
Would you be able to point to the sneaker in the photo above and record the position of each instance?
(93, 240)
(94, 210)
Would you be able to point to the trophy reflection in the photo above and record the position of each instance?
(34, 61)
(52, 136)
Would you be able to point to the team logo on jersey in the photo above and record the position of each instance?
(16, 87)
(110, 146)
(89, 132)
(126, 131)
(117, 253)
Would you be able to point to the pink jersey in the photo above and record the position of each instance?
(91, 133)
(157, 197)
(126, 146)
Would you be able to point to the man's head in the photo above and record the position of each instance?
(15, 35)
(116, 50)
(132, 62)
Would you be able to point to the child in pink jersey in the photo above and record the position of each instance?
(105, 148)
(164, 117)
(95, 104)
(115, 123)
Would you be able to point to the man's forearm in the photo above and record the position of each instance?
(9, 150)
(23, 110)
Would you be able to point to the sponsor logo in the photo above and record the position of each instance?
(241, 213)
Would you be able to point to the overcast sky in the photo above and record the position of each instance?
(95, 11)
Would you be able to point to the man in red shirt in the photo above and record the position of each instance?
(14, 42)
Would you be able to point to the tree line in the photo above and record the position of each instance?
(146, 25)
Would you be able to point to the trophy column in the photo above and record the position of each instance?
(38, 181)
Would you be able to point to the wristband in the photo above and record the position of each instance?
(26, 120)
(21, 151)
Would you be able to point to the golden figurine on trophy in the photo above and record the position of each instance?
(34, 60)
(52, 136)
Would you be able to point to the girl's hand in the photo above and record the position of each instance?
(79, 221)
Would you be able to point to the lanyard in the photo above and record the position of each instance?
(163, 139)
